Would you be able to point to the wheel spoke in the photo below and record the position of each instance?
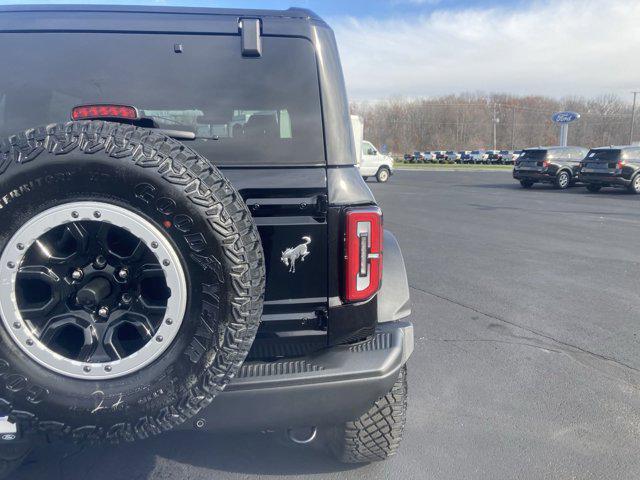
(63, 244)
(68, 334)
(39, 272)
(153, 290)
(126, 334)
(77, 231)
(40, 290)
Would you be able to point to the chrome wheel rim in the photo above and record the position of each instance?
(384, 175)
(91, 290)
(564, 180)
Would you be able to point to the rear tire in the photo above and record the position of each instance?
(634, 187)
(377, 434)
(526, 183)
(383, 175)
(11, 457)
(593, 188)
(563, 180)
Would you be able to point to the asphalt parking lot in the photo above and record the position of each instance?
(527, 360)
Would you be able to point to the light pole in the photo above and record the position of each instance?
(513, 128)
(496, 120)
(633, 117)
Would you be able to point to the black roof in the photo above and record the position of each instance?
(300, 13)
(296, 22)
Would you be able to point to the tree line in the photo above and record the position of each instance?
(474, 121)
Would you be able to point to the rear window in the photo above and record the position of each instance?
(243, 111)
(604, 155)
(533, 154)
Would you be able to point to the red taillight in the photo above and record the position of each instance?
(620, 164)
(545, 164)
(363, 253)
(86, 112)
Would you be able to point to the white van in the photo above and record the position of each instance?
(371, 162)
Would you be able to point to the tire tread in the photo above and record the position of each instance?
(223, 207)
(377, 434)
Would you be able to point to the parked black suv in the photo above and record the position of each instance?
(187, 242)
(611, 167)
(556, 165)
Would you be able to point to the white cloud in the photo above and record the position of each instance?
(564, 47)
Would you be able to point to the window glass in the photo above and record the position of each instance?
(606, 154)
(533, 154)
(369, 149)
(242, 110)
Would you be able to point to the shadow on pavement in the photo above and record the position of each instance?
(548, 188)
(259, 454)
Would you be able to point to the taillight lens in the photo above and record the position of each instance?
(87, 112)
(545, 164)
(363, 253)
(620, 164)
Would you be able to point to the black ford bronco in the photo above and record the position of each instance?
(186, 241)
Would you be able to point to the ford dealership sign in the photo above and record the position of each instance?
(565, 117)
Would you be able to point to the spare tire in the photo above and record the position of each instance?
(132, 281)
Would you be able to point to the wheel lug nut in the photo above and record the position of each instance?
(123, 273)
(103, 312)
(100, 262)
(126, 298)
(77, 274)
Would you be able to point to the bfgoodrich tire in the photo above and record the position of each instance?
(377, 434)
(195, 212)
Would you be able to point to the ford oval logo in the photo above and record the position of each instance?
(565, 117)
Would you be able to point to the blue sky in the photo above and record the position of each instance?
(415, 48)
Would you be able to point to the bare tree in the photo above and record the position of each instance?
(465, 121)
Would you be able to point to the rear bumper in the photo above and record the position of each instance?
(534, 176)
(329, 387)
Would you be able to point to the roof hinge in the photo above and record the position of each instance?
(251, 41)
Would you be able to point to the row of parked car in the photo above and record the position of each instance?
(484, 157)
(613, 166)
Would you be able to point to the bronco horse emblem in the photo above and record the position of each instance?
(291, 255)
